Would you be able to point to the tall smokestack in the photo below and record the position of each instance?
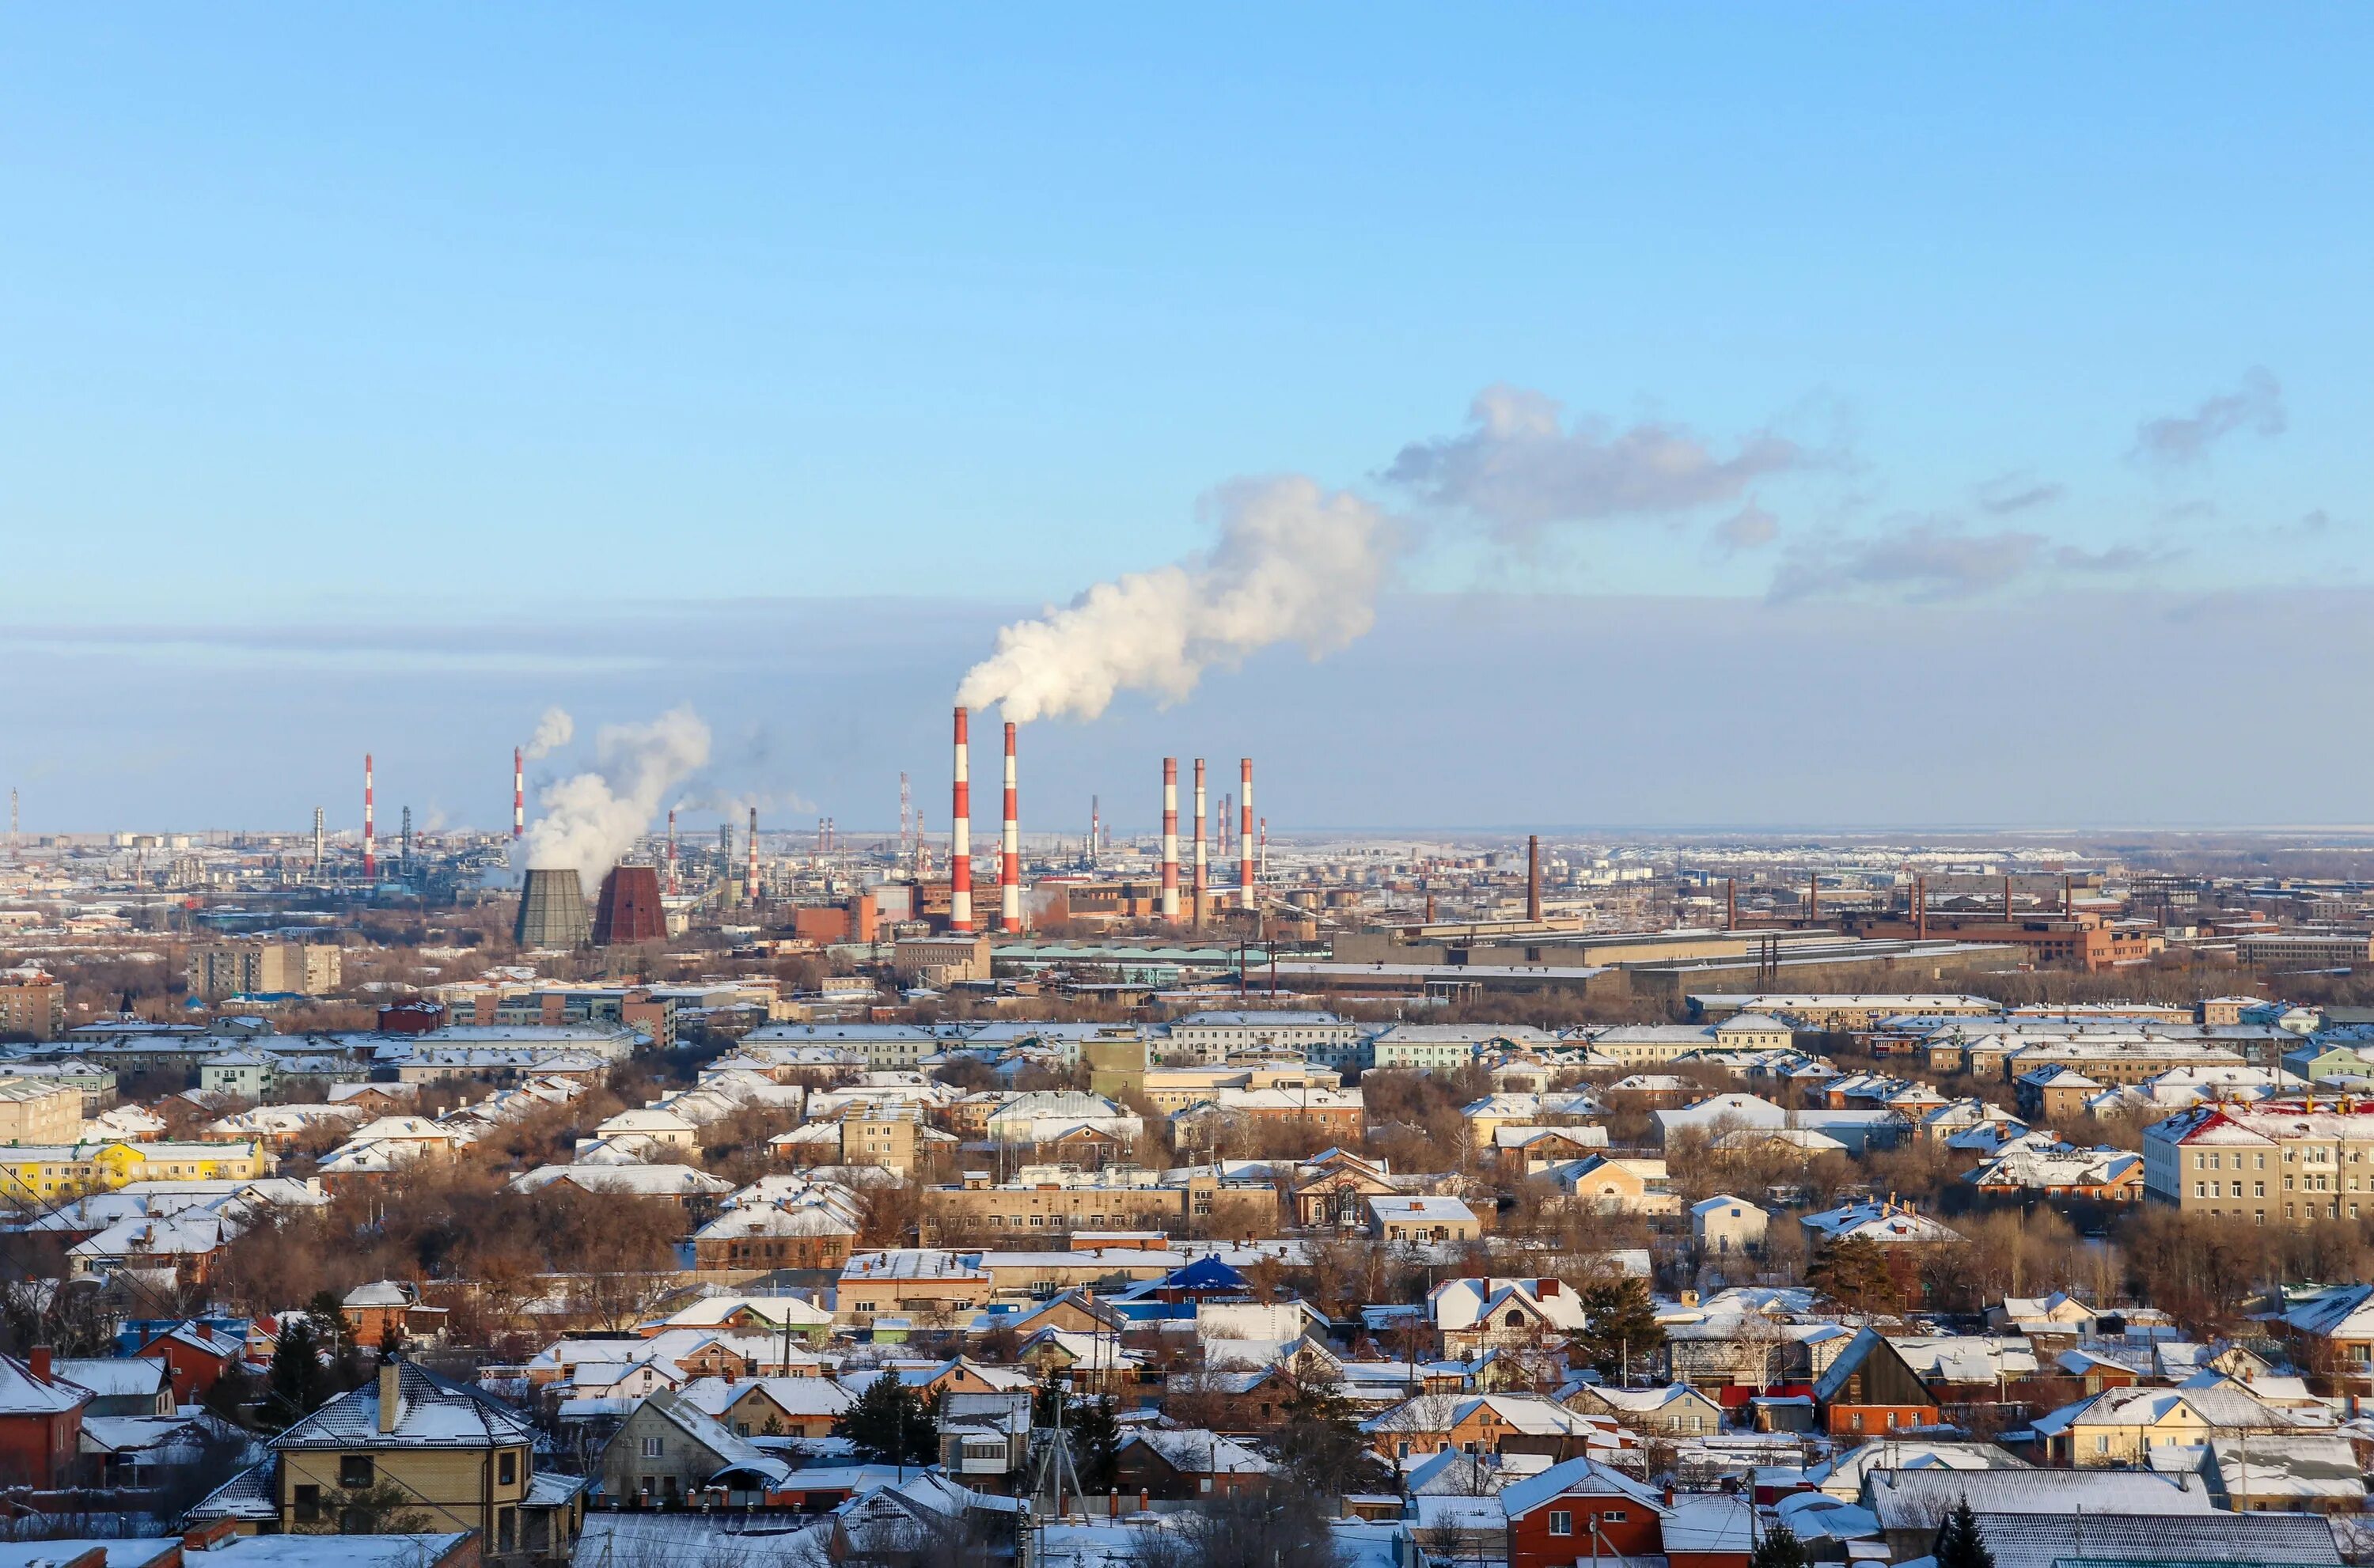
(1812, 896)
(319, 844)
(673, 885)
(1170, 839)
(750, 878)
(960, 832)
(1009, 867)
(1245, 879)
(1096, 829)
(2006, 897)
(370, 843)
(1532, 876)
(1203, 863)
(1920, 908)
(1261, 863)
(1731, 904)
(2068, 895)
(519, 794)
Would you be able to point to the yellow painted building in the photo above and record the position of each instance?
(50, 1170)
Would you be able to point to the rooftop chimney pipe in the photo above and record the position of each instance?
(960, 833)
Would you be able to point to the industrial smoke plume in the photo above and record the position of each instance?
(593, 819)
(554, 731)
(1293, 563)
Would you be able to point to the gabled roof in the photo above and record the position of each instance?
(431, 1412)
(22, 1394)
(1583, 1477)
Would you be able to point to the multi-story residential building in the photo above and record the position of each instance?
(40, 1111)
(1446, 1047)
(978, 1213)
(263, 969)
(2290, 1160)
(1840, 1011)
(46, 1171)
(1173, 1089)
(1214, 1036)
(33, 1005)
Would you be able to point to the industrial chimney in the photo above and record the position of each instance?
(673, 885)
(628, 908)
(750, 878)
(552, 910)
(1245, 879)
(1202, 865)
(960, 832)
(370, 845)
(1009, 863)
(519, 795)
(1533, 877)
(1170, 839)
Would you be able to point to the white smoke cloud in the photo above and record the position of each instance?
(1293, 563)
(554, 731)
(592, 819)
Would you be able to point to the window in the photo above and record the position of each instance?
(306, 1502)
(651, 1447)
(1613, 1516)
(506, 1529)
(356, 1472)
(1561, 1523)
(507, 1467)
(2102, 1443)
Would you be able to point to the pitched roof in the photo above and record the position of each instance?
(1586, 1475)
(431, 1412)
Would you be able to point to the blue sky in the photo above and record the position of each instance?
(468, 328)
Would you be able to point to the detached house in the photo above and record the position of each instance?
(1582, 1511)
(463, 1459)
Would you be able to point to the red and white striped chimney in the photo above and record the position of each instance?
(1009, 864)
(960, 832)
(1245, 833)
(1170, 839)
(519, 795)
(750, 878)
(1203, 861)
(370, 843)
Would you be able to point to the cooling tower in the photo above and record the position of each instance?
(552, 911)
(628, 908)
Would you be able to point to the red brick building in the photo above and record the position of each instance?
(1582, 1509)
(41, 1424)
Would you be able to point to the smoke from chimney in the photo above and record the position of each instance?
(590, 820)
(1293, 562)
(554, 731)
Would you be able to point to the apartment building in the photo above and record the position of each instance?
(2287, 1161)
(974, 1212)
(1210, 1037)
(263, 969)
(32, 1004)
(40, 1111)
